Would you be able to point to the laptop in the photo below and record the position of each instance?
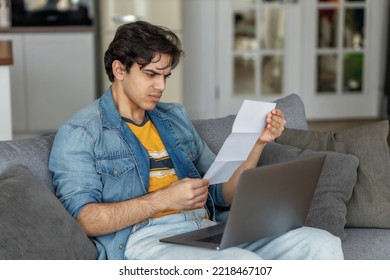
(270, 200)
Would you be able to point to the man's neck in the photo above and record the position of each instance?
(125, 107)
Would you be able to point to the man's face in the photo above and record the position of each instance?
(144, 87)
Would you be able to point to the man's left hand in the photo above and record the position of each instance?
(274, 127)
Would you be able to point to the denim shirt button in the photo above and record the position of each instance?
(121, 247)
(115, 171)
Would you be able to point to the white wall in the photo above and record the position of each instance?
(5, 104)
(200, 61)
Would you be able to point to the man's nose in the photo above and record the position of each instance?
(160, 82)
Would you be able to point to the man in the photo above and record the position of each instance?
(129, 168)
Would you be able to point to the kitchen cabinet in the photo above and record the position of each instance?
(53, 77)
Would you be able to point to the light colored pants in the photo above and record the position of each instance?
(301, 243)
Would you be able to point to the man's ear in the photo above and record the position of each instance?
(119, 70)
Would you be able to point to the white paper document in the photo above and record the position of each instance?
(249, 123)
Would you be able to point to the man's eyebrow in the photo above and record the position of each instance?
(157, 73)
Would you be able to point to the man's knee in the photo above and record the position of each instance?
(324, 245)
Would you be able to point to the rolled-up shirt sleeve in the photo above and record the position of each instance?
(72, 164)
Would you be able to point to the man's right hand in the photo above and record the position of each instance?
(185, 194)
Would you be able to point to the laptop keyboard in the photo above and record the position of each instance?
(212, 239)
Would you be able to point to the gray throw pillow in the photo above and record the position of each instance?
(369, 205)
(34, 224)
(32, 153)
(334, 189)
(294, 111)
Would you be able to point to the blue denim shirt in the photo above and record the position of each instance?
(96, 158)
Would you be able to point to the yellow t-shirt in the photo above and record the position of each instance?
(162, 172)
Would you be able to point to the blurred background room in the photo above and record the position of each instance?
(332, 53)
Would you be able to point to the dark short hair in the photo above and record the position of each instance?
(140, 42)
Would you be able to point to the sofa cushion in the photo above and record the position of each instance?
(334, 189)
(33, 153)
(369, 205)
(215, 131)
(366, 244)
(34, 224)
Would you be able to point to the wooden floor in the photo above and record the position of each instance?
(339, 125)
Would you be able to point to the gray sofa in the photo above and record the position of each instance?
(34, 225)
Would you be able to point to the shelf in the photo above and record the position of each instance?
(47, 29)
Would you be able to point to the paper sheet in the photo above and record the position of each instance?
(249, 123)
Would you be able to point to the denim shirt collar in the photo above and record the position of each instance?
(109, 112)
